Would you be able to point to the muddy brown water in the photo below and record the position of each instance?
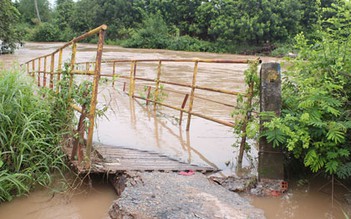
(128, 123)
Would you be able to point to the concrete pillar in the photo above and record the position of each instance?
(270, 160)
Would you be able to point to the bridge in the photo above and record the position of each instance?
(147, 80)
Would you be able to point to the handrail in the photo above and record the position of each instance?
(37, 69)
(74, 40)
(133, 77)
(39, 66)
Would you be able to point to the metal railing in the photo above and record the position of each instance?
(155, 84)
(45, 65)
(51, 64)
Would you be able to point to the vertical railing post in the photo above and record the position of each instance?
(148, 93)
(44, 76)
(191, 102)
(39, 69)
(157, 81)
(113, 73)
(87, 68)
(132, 78)
(27, 67)
(183, 105)
(93, 102)
(59, 69)
(270, 159)
(52, 68)
(73, 61)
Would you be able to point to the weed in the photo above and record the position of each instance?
(30, 132)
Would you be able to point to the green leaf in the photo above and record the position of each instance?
(332, 166)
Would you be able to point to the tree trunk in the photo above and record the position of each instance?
(37, 10)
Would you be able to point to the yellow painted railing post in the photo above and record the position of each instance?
(52, 67)
(113, 73)
(157, 83)
(44, 77)
(39, 69)
(93, 102)
(31, 73)
(59, 69)
(191, 102)
(73, 61)
(87, 68)
(132, 78)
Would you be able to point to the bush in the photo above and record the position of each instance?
(187, 43)
(46, 32)
(315, 125)
(154, 34)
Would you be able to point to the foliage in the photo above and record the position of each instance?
(9, 16)
(246, 123)
(161, 94)
(29, 135)
(46, 32)
(63, 16)
(153, 34)
(210, 25)
(187, 43)
(28, 12)
(315, 125)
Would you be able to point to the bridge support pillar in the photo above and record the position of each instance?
(270, 160)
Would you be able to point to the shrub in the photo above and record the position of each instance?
(153, 34)
(315, 125)
(46, 32)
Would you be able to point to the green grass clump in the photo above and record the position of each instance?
(30, 133)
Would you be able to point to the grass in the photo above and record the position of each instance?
(30, 132)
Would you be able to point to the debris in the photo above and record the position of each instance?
(274, 188)
(235, 184)
(187, 173)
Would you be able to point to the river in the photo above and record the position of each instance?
(130, 124)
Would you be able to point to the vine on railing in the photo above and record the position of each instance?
(245, 116)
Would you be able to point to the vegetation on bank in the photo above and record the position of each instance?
(31, 128)
(315, 126)
(234, 26)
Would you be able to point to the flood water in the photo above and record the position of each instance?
(82, 202)
(129, 123)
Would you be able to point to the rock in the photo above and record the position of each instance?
(172, 196)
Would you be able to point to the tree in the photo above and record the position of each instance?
(63, 19)
(119, 15)
(34, 12)
(257, 22)
(85, 15)
(37, 10)
(9, 16)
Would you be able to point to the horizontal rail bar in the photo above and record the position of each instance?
(229, 61)
(188, 85)
(226, 123)
(197, 96)
(82, 72)
(75, 40)
(77, 108)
